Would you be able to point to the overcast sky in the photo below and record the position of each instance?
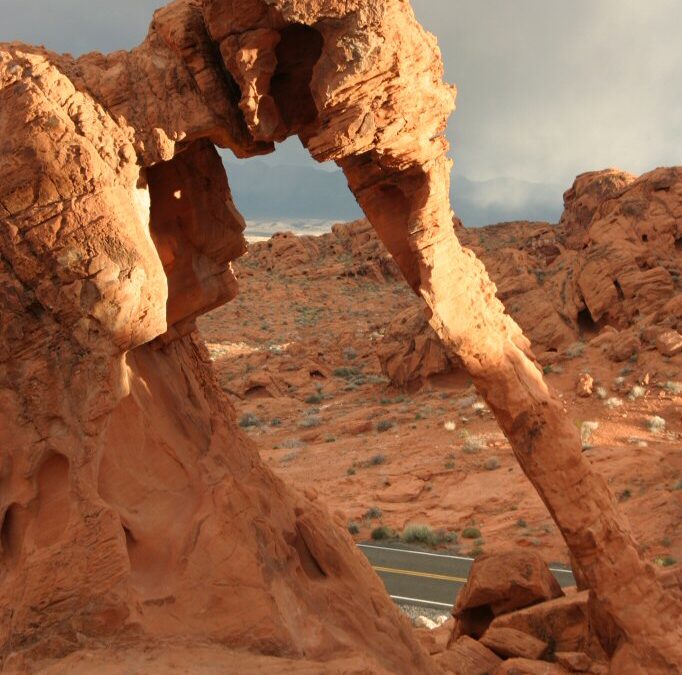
(547, 88)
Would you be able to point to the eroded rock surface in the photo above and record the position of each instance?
(611, 269)
(130, 503)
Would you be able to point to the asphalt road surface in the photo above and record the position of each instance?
(432, 580)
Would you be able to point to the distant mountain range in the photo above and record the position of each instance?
(264, 192)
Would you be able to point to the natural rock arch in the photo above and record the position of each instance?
(97, 351)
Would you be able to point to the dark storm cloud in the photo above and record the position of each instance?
(547, 88)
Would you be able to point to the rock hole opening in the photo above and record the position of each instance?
(619, 290)
(309, 563)
(297, 53)
(10, 535)
(475, 621)
(678, 244)
(130, 539)
(586, 324)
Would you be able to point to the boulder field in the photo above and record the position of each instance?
(139, 528)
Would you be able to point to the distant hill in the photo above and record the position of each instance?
(263, 191)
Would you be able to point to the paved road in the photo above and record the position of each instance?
(430, 579)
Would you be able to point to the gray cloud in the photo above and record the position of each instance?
(547, 88)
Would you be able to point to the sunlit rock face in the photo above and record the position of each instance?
(130, 505)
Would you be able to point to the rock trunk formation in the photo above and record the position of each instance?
(129, 502)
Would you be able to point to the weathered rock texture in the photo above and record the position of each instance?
(610, 270)
(130, 504)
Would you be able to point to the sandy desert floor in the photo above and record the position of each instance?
(297, 353)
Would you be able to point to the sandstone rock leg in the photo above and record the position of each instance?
(411, 213)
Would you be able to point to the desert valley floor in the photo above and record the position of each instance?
(298, 354)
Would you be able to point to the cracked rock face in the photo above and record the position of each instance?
(130, 505)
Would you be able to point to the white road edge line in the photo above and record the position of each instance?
(404, 550)
(439, 555)
(423, 602)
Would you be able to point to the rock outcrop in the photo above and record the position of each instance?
(130, 504)
(611, 269)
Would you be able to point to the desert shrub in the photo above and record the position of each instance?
(347, 372)
(351, 471)
(450, 425)
(491, 464)
(575, 350)
(289, 457)
(674, 388)
(249, 420)
(587, 430)
(373, 514)
(377, 460)
(613, 402)
(353, 527)
(275, 422)
(474, 444)
(471, 533)
(625, 495)
(601, 393)
(291, 443)
(375, 379)
(420, 534)
(381, 532)
(310, 422)
(636, 392)
(655, 424)
(384, 425)
(665, 561)
(317, 397)
(522, 523)
(350, 354)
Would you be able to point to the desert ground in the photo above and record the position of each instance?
(297, 352)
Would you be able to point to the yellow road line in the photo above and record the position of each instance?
(426, 575)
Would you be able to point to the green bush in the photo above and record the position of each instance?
(492, 463)
(381, 532)
(346, 372)
(471, 533)
(249, 420)
(310, 422)
(420, 534)
(353, 527)
(384, 425)
(473, 445)
(373, 514)
(665, 561)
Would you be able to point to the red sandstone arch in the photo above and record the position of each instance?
(104, 353)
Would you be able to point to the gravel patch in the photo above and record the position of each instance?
(413, 611)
